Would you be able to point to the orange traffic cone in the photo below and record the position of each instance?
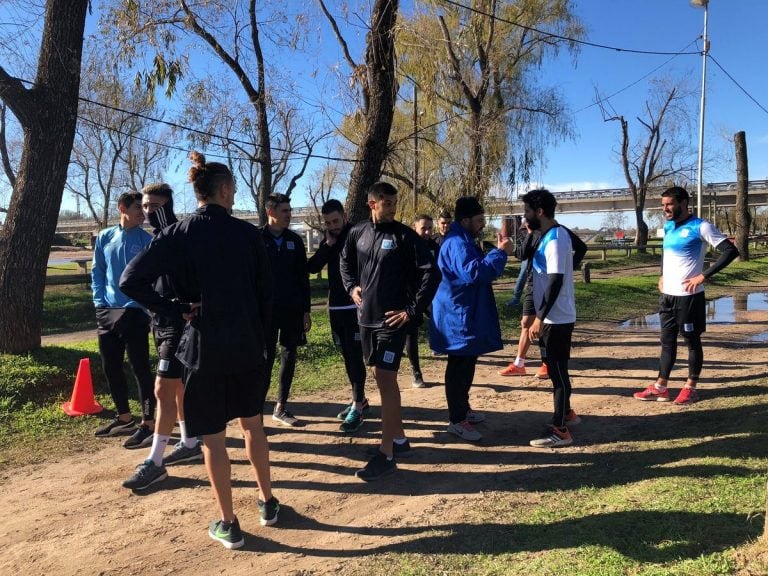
(82, 401)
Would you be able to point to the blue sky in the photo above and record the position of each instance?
(736, 30)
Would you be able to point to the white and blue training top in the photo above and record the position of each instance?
(685, 245)
(554, 255)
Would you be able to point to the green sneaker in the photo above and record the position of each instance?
(229, 535)
(352, 422)
(343, 414)
(269, 510)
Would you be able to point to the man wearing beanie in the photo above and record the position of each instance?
(464, 322)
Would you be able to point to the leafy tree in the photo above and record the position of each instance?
(477, 71)
(47, 113)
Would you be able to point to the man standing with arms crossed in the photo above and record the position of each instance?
(342, 311)
(157, 202)
(553, 298)
(122, 323)
(222, 278)
(391, 276)
(682, 305)
(291, 307)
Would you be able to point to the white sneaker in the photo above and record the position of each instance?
(475, 417)
(465, 431)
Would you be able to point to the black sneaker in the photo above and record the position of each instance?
(140, 439)
(146, 474)
(228, 533)
(398, 450)
(115, 428)
(378, 467)
(343, 414)
(183, 454)
(418, 381)
(269, 510)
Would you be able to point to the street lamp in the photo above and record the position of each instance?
(705, 50)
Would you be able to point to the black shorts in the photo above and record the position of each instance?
(684, 314)
(212, 400)
(555, 342)
(528, 307)
(383, 347)
(167, 342)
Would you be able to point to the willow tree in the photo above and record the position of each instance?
(47, 113)
(478, 70)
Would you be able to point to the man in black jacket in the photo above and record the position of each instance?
(391, 276)
(222, 279)
(291, 305)
(157, 202)
(342, 311)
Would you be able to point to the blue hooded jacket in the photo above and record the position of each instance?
(464, 319)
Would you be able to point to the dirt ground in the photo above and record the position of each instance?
(70, 515)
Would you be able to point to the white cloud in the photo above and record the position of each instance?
(580, 186)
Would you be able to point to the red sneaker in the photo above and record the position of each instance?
(687, 396)
(542, 373)
(652, 393)
(513, 370)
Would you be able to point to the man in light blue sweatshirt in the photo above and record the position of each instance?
(122, 323)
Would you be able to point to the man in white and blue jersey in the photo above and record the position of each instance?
(682, 305)
(555, 306)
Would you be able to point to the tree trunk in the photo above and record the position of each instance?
(48, 114)
(382, 91)
(642, 230)
(742, 215)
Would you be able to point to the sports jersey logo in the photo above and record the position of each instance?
(685, 232)
(387, 244)
(289, 245)
(389, 356)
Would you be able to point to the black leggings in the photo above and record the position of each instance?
(346, 335)
(459, 374)
(682, 315)
(555, 345)
(412, 349)
(120, 330)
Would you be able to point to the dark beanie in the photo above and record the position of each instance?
(467, 207)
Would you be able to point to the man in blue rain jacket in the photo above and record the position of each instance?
(465, 322)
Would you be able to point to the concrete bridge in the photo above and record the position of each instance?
(719, 194)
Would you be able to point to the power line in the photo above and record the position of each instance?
(628, 86)
(560, 37)
(739, 86)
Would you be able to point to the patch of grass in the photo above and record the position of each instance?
(68, 309)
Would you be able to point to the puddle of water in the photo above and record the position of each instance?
(762, 337)
(719, 311)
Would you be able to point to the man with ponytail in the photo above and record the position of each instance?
(221, 276)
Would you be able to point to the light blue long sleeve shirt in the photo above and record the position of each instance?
(115, 247)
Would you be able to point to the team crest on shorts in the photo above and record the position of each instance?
(389, 357)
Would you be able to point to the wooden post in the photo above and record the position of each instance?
(743, 217)
(586, 273)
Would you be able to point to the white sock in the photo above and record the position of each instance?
(358, 406)
(519, 362)
(660, 388)
(159, 442)
(189, 442)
